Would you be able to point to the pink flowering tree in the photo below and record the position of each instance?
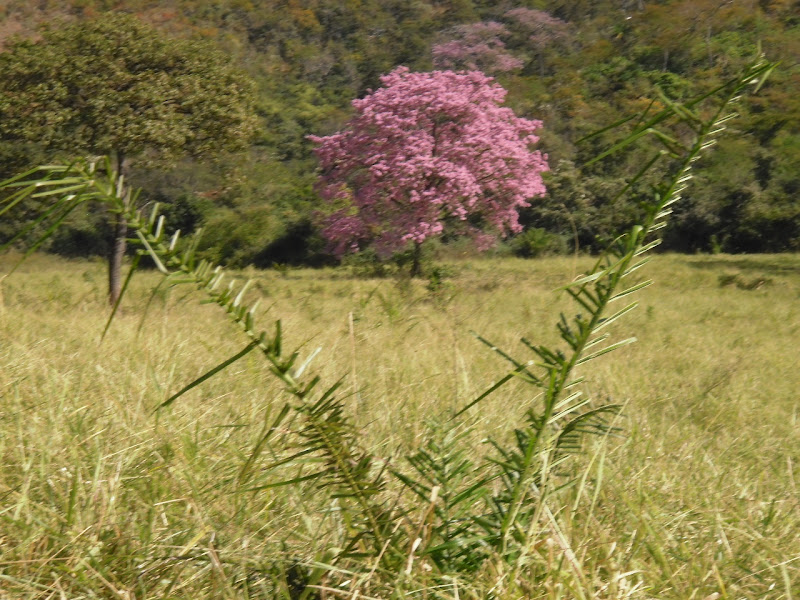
(425, 153)
(545, 32)
(476, 47)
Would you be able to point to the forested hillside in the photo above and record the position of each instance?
(577, 65)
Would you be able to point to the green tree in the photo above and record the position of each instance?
(114, 85)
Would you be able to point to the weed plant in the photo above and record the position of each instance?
(319, 496)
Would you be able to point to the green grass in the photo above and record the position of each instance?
(100, 498)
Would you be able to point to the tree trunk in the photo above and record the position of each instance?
(416, 265)
(115, 256)
(118, 244)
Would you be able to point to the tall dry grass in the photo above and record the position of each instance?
(102, 498)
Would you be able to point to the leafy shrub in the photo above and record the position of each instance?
(536, 242)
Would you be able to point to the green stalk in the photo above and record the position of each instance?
(560, 370)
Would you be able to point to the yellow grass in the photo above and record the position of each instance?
(99, 497)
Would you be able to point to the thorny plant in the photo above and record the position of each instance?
(428, 526)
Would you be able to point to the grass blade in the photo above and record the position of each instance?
(247, 349)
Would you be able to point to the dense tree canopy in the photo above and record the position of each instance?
(116, 85)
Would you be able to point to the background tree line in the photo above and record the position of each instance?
(578, 65)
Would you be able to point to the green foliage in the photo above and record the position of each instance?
(449, 488)
(235, 237)
(262, 215)
(581, 208)
(535, 242)
(114, 84)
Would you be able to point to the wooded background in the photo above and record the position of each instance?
(591, 64)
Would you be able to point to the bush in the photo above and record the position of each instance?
(536, 242)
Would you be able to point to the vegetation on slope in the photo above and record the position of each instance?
(595, 64)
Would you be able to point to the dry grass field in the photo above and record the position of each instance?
(100, 497)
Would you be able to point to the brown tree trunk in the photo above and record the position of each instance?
(115, 256)
(416, 265)
(118, 244)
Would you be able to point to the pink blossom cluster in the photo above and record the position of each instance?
(426, 152)
(476, 47)
(543, 28)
